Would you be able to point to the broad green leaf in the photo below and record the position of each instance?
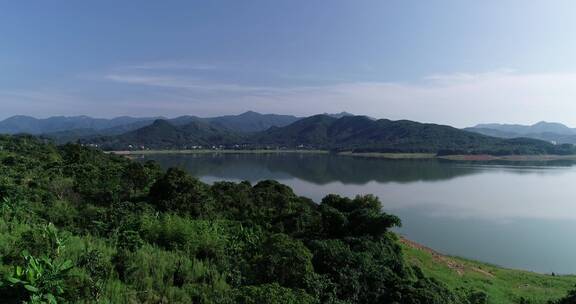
(51, 298)
(66, 265)
(13, 280)
(30, 276)
(31, 288)
(19, 271)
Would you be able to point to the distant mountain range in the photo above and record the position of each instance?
(335, 132)
(246, 122)
(363, 134)
(67, 129)
(326, 132)
(35, 126)
(74, 126)
(548, 131)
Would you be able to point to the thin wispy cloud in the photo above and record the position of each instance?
(37, 95)
(451, 78)
(188, 83)
(170, 65)
(360, 57)
(461, 99)
(41, 102)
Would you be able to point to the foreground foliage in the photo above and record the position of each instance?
(81, 226)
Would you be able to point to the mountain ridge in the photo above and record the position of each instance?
(162, 134)
(36, 126)
(539, 127)
(71, 128)
(553, 132)
(334, 132)
(324, 132)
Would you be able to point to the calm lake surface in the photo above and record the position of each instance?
(517, 215)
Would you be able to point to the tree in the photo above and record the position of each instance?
(178, 191)
(285, 261)
(273, 294)
(134, 177)
(361, 216)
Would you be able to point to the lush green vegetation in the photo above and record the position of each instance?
(364, 135)
(498, 285)
(163, 135)
(357, 134)
(78, 225)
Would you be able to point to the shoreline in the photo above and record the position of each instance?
(206, 151)
(517, 158)
(478, 157)
(501, 284)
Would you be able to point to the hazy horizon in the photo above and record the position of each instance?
(445, 62)
(237, 114)
(402, 151)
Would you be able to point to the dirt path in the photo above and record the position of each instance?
(459, 267)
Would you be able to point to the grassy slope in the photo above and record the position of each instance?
(502, 285)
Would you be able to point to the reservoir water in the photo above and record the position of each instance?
(512, 214)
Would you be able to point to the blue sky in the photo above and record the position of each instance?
(453, 62)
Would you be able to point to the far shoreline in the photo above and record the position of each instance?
(468, 157)
(209, 151)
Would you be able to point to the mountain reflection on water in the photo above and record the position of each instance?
(491, 211)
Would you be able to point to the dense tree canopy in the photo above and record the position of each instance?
(78, 225)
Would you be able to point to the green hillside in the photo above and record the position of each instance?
(348, 133)
(499, 285)
(81, 226)
(362, 134)
(164, 135)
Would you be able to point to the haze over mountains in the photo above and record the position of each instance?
(336, 132)
(548, 131)
(35, 126)
(324, 132)
(246, 122)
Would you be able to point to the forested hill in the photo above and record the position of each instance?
(362, 134)
(252, 121)
(64, 128)
(164, 135)
(346, 133)
(551, 132)
(81, 226)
